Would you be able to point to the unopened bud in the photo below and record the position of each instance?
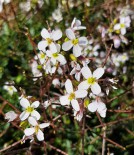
(86, 102)
(39, 67)
(72, 57)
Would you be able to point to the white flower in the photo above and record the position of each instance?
(76, 70)
(36, 72)
(41, 56)
(29, 109)
(117, 41)
(31, 138)
(11, 115)
(76, 25)
(102, 30)
(78, 115)
(124, 57)
(72, 95)
(46, 104)
(91, 79)
(25, 6)
(56, 82)
(9, 88)
(36, 129)
(98, 106)
(49, 39)
(57, 15)
(74, 42)
(91, 48)
(55, 56)
(119, 59)
(114, 81)
(124, 23)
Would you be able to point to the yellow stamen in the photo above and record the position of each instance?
(55, 55)
(36, 129)
(30, 109)
(75, 41)
(122, 25)
(117, 31)
(71, 96)
(10, 88)
(49, 41)
(91, 80)
(42, 55)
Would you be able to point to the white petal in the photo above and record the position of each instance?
(35, 104)
(32, 121)
(92, 106)
(75, 105)
(101, 106)
(58, 47)
(64, 100)
(96, 89)
(24, 115)
(70, 34)
(69, 86)
(44, 125)
(53, 60)
(45, 34)
(117, 27)
(77, 22)
(76, 50)
(42, 45)
(102, 109)
(61, 59)
(103, 113)
(86, 72)
(66, 46)
(83, 85)
(73, 71)
(77, 76)
(98, 73)
(35, 114)
(52, 47)
(96, 47)
(122, 20)
(73, 22)
(40, 135)
(49, 53)
(117, 42)
(29, 131)
(56, 35)
(123, 31)
(24, 103)
(80, 93)
(83, 41)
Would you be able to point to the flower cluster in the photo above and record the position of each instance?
(72, 62)
(32, 116)
(117, 29)
(52, 57)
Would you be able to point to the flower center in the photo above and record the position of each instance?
(49, 41)
(122, 25)
(29, 109)
(91, 80)
(75, 41)
(71, 96)
(42, 55)
(55, 55)
(36, 129)
(124, 57)
(10, 88)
